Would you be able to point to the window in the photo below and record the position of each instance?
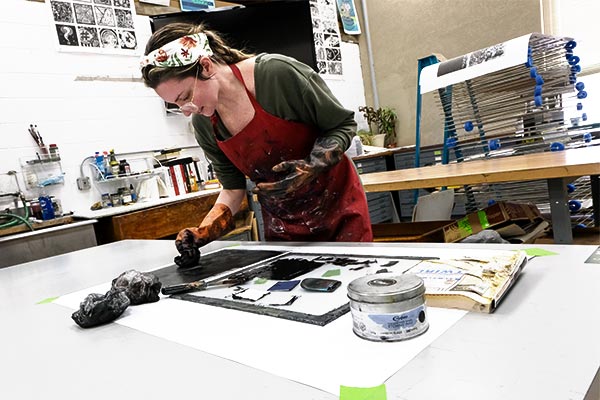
(579, 19)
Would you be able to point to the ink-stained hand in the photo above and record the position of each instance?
(325, 154)
(189, 255)
(217, 222)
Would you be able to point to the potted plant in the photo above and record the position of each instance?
(382, 126)
(387, 125)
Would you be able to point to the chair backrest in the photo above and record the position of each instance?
(436, 206)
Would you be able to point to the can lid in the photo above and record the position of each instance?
(386, 288)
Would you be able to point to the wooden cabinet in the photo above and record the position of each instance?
(156, 222)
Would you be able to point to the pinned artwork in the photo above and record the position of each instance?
(348, 16)
(99, 26)
(327, 37)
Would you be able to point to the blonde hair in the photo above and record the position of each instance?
(222, 54)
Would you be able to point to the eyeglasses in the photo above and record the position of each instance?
(190, 107)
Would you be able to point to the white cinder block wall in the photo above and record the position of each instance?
(43, 86)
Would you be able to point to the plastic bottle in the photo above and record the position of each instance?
(133, 193)
(193, 182)
(47, 208)
(107, 170)
(100, 165)
(113, 163)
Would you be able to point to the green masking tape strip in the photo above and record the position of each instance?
(483, 221)
(464, 226)
(48, 300)
(539, 252)
(331, 272)
(355, 393)
(260, 281)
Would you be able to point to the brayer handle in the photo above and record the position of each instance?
(183, 287)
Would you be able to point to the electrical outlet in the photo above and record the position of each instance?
(83, 183)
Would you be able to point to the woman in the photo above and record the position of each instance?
(268, 117)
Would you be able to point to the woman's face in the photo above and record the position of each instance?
(201, 93)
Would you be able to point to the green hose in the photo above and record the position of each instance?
(16, 218)
(19, 220)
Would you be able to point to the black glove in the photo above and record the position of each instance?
(217, 222)
(325, 154)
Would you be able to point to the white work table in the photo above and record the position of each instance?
(543, 342)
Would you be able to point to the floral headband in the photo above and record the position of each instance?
(183, 51)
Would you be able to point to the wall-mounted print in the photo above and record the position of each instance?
(66, 35)
(84, 14)
(108, 38)
(326, 37)
(102, 26)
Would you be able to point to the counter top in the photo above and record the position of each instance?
(111, 211)
(44, 231)
(541, 343)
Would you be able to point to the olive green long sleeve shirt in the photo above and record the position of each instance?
(289, 90)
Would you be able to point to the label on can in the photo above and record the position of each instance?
(390, 326)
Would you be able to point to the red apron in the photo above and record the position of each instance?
(333, 207)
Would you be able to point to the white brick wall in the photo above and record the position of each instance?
(38, 84)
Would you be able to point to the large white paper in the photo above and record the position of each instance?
(262, 342)
(506, 55)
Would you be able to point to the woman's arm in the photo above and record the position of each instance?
(232, 198)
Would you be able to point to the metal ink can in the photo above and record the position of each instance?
(388, 307)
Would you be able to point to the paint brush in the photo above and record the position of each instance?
(38, 135)
(33, 134)
(199, 285)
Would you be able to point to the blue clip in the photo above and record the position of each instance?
(538, 101)
(584, 116)
(532, 72)
(570, 188)
(582, 94)
(539, 80)
(580, 86)
(451, 142)
(572, 79)
(538, 90)
(579, 106)
(557, 146)
(494, 144)
(574, 205)
(574, 60)
(571, 44)
(468, 126)
(587, 137)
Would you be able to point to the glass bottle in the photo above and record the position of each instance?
(113, 163)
